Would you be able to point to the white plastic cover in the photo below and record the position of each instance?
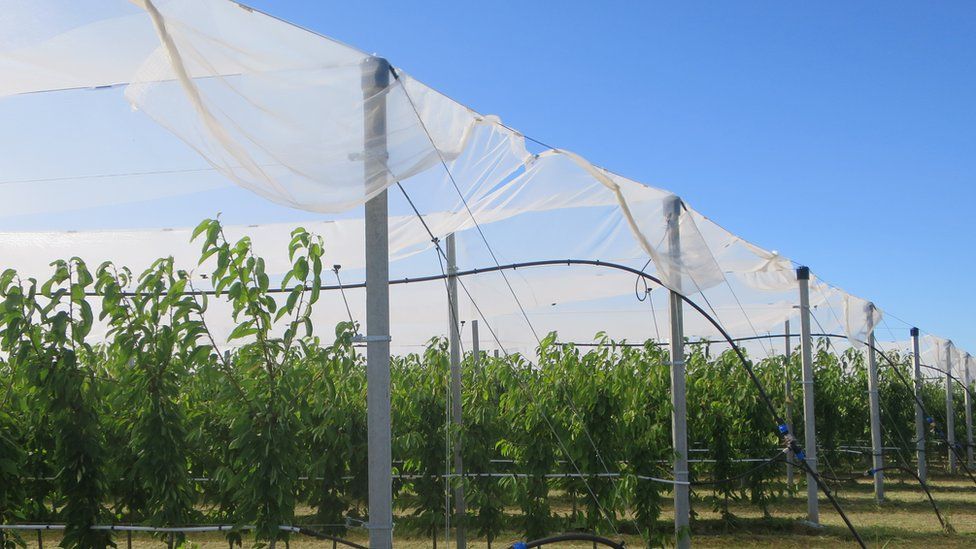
(208, 97)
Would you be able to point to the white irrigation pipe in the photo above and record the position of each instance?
(154, 529)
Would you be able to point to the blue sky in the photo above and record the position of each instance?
(840, 134)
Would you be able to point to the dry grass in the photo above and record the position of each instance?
(904, 520)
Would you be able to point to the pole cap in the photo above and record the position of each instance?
(376, 74)
(803, 273)
(914, 332)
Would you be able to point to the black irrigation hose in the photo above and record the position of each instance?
(568, 537)
(782, 430)
(872, 472)
(950, 376)
(931, 421)
(954, 448)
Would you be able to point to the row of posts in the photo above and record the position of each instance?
(679, 415)
(376, 79)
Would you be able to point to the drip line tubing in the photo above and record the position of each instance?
(576, 536)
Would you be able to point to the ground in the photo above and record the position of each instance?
(905, 520)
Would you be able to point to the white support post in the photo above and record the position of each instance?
(809, 422)
(950, 424)
(475, 346)
(376, 77)
(968, 401)
(919, 413)
(788, 382)
(455, 349)
(875, 404)
(679, 413)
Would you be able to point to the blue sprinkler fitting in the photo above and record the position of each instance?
(783, 429)
(520, 545)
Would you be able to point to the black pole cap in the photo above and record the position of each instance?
(803, 273)
(914, 332)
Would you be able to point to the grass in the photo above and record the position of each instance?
(905, 519)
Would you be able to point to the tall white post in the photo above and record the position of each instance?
(875, 404)
(475, 346)
(919, 413)
(809, 421)
(968, 401)
(788, 379)
(679, 413)
(950, 411)
(455, 348)
(376, 77)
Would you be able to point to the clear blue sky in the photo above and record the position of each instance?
(842, 134)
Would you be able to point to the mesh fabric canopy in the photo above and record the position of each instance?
(126, 123)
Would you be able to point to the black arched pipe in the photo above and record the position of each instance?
(570, 537)
(894, 367)
(781, 429)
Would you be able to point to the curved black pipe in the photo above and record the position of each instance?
(909, 470)
(959, 457)
(781, 431)
(569, 537)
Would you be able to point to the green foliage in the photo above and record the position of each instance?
(153, 334)
(419, 419)
(265, 427)
(43, 331)
(119, 431)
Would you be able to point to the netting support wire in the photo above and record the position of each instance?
(809, 417)
(920, 406)
(875, 411)
(494, 258)
(919, 412)
(375, 81)
(679, 405)
(335, 269)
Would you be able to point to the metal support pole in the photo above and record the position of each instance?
(919, 413)
(809, 422)
(376, 77)
(968, 401)
(875, 404)
(950, 411)
(679, 414)
(475, 346)
(455, 348)
(787, 375)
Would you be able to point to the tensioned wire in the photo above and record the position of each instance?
(826, 490)
(906, 464)
(960, 458)
(759, 387)
(921, 405)
(545, 416)
(769, 352)
(494, 258)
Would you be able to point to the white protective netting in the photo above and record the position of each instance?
(126, 123)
